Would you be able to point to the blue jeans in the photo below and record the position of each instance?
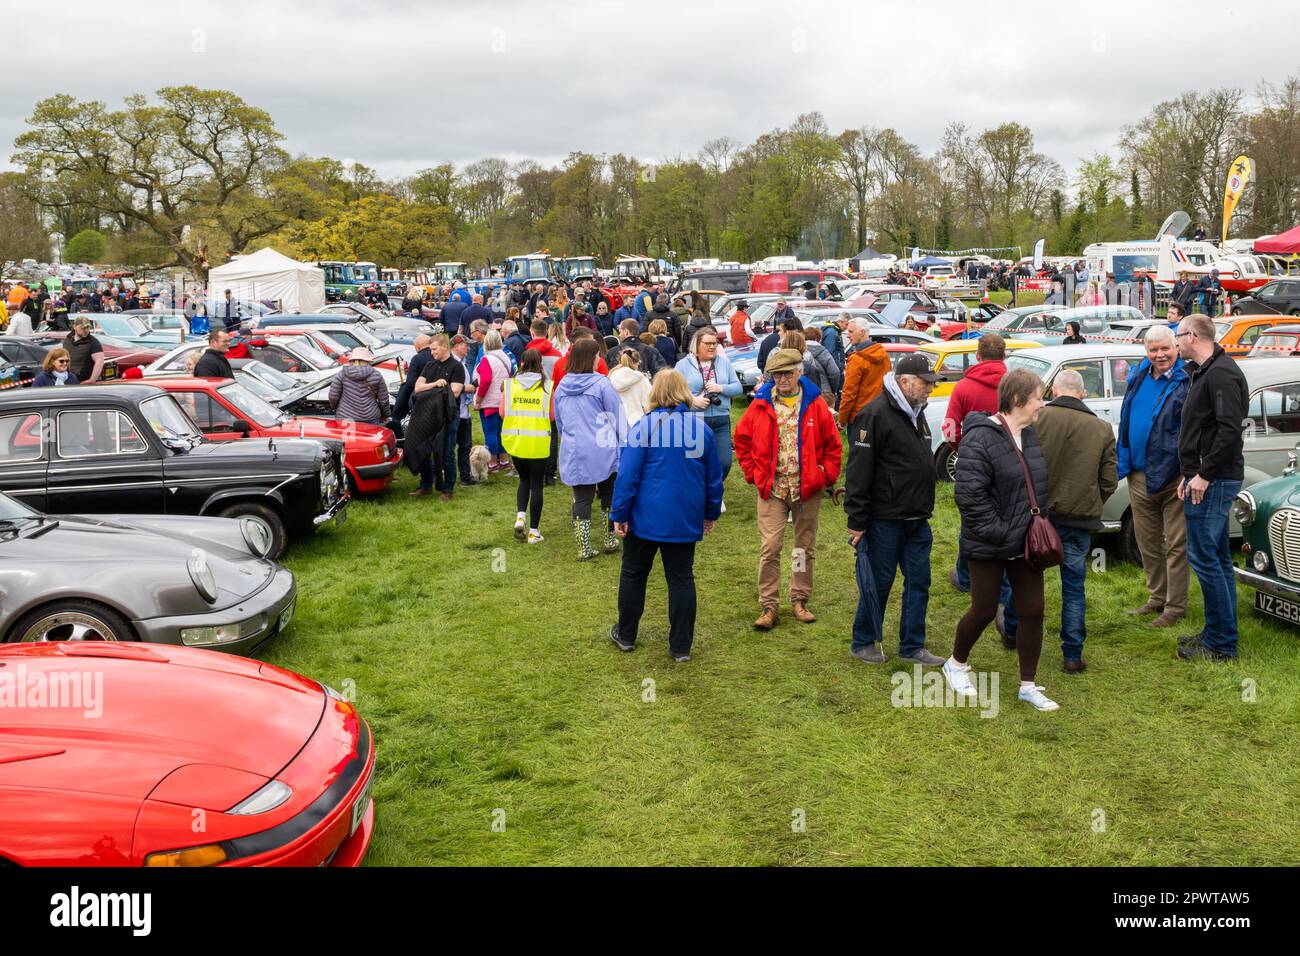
(887, 546)
(1074, 570)
(1009, 618)
(1209, 554)
(492, 433)
(720, 425)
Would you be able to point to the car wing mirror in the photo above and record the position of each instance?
(241, 426)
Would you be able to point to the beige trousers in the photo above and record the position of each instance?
(771, 532)
(1161, 531)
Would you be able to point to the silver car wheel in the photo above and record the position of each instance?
(69, 626)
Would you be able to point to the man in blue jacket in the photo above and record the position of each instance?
(1150, 420)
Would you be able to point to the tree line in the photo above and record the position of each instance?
(193, 175)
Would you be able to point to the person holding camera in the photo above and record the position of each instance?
(713, 384)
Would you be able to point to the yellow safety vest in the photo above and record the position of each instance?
(526, 428)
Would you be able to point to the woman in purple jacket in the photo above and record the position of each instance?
(589, 418)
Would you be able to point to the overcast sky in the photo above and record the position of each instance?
(400, 85)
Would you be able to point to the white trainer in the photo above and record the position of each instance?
(535, 536)
(1034, 696)
(958, 679)
(724, 507)
(519, 526)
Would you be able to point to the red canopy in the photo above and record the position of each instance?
(1283, 244)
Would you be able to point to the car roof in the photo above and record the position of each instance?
(970, 345)
(1269, 371)
(189, 381)
(103, 392)
(1061, 353)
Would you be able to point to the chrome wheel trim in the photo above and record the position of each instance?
(68, 626)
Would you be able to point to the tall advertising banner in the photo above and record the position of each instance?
(1238, 176)
(1038, 255)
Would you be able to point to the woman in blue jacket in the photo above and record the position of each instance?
(713, 384)
(54, 370)
(590, 421)
(667, 497)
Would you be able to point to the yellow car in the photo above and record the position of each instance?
(951, 359)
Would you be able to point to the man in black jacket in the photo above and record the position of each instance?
(1213, 466)
(213, 363)
(889, 498)
(652, 360)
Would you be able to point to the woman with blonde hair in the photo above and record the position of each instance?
(494, 369)
(632, 386)
(555, 333)
(665, 343)
(667, 497)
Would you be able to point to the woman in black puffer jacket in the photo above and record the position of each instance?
(994, 503)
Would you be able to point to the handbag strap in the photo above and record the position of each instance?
(1024, 467)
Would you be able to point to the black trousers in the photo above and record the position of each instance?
(583, 496)
(1026, 592)
(464, 437)
(679, 573)
(528, 497)
(553, 461)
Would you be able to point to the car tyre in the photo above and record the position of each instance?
(267, 517)
(1128, 542)
(945, 463)
(71, 620)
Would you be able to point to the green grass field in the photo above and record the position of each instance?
(496, 697)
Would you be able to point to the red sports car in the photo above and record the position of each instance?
(150, 755)
(224, 409)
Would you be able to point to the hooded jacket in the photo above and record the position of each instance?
(890, 474)
(1162, 467)
(1079, 449)
(819, 366)
(633, 391)
(360, 393)
(990, 488)
(864, 375)
(669, 479)
(588, 413)
(820, 448)
(976, 392)
(550, 354)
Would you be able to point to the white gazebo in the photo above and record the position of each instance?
(268, 276)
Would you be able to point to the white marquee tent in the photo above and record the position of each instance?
(268, 276)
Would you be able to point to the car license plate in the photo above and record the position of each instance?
(287, 615)
(1278, 607)
(359, 808)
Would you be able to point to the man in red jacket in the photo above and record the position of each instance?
(978, 389)
(789, 449)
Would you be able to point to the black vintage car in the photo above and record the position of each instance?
(127, 448)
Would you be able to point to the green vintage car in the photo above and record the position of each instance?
(1269, 515)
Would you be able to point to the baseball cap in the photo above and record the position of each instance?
(915, 365)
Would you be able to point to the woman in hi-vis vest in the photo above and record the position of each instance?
(526, 435)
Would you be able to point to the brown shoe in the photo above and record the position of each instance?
(1146, 609)
(1167, 619)
(1075, 667)
(446, 496)
(420, 492)
(767, 620)
(801, 612)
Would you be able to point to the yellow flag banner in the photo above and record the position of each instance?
(1238, 175)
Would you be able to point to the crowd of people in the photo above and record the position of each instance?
(637, 422)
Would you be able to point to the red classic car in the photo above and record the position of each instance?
(225, 409)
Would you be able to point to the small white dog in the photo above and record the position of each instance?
(479, 459)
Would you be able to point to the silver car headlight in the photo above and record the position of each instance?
(383, 452)
(329, 480)
(257, 536)
(204, 580)
(1260, 560)
(1243, 509)
(267, 798)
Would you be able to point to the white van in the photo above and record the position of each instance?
(1122, 259)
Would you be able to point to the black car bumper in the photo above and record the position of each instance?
(382, 470)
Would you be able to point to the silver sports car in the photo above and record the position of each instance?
(201, 582)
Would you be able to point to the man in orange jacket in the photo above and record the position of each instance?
(865, 369)
(789, 449)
